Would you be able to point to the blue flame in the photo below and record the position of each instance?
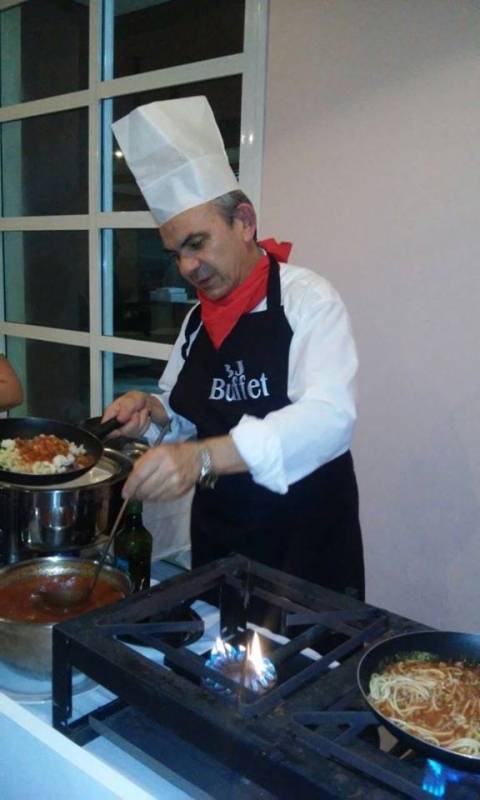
(434, 779)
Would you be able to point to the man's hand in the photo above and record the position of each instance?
(171, 470)
(164, 472)
(133, 410)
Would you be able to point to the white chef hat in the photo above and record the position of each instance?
(176, 153)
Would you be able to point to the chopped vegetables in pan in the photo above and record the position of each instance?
(42, 455)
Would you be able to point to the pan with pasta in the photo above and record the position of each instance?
(425, 688)
(44, 452)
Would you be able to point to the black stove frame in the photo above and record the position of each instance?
(275, 739)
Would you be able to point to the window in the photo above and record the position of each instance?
(90, 305)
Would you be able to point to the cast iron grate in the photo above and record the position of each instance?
(278, 739)
(343, 736)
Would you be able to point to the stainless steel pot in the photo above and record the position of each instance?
(26, 647)
(66, 517)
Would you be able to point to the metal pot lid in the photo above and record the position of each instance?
(134, 448)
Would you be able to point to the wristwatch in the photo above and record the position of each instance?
(207, 477)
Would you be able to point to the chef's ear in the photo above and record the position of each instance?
(245, 214)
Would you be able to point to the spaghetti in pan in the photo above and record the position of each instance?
(436, 700)
(424, 687)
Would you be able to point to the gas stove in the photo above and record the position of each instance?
(310, 734)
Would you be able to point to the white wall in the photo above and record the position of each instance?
(372, 164)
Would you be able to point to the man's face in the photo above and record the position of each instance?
(210, 254)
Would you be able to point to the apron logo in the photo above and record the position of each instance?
(237, 387)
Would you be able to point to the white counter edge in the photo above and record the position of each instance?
(93, 767)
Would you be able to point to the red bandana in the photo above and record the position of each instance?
(221, 316)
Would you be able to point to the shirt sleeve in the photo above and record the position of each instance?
(317, 426)
(180, 428)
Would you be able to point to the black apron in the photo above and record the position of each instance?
(313, 530)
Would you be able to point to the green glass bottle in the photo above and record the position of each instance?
(133, 547)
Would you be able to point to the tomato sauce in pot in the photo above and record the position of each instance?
(22, 601)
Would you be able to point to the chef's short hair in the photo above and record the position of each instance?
(226, 204)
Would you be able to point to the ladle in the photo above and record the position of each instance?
(69, 595)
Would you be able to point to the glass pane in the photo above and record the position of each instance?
(147, 299)
(43, 50)
(45, 164)
(154, 34)
(55, 379)
(46, 278)
(225, 97)
(132, 372)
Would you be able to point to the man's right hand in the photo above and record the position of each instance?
(134, 410)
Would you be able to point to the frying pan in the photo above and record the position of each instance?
(28, 427)
(447, 646)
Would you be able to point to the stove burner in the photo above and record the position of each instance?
(437, 777)
(257, 674)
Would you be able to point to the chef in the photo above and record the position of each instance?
(259, 391)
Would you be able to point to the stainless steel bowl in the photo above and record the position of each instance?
(65, 517)
(26, 647)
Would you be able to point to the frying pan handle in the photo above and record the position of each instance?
(102, 429)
